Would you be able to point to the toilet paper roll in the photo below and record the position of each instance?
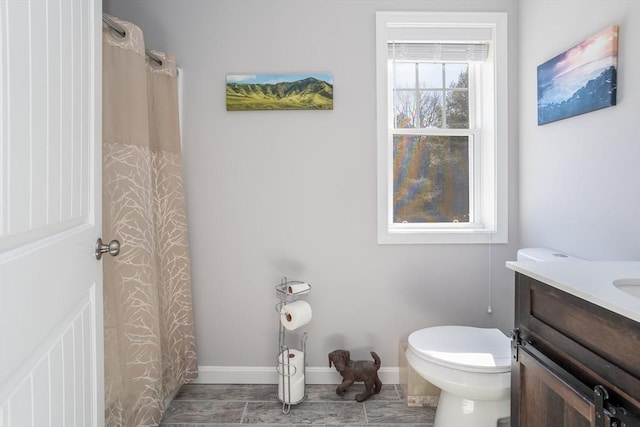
(295, 315)
(298, 288)
(295, 367)
(296, 386)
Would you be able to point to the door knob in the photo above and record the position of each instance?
(113, 248)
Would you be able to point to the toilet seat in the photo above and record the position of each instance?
(463, 348)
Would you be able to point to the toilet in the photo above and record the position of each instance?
(471, 366)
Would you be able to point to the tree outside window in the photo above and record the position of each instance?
(431, 182)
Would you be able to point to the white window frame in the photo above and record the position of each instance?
(489, 187)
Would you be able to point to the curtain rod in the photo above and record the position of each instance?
(123, 32)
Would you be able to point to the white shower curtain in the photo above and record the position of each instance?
(148, 319)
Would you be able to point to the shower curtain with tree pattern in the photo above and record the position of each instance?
(148, 321)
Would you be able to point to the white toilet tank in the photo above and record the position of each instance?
(543, 254)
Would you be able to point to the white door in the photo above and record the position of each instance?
(51, 352)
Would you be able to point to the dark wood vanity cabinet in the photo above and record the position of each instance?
(574, 363)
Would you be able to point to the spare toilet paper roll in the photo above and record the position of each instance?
(295, 314)
(295, 367)
(297, 389)
(298, 288)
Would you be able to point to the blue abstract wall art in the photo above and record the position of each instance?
(579, 80)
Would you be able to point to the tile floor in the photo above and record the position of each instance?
(205, 405)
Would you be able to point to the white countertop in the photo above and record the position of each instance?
(589, 280)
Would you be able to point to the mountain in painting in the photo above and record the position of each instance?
(305, 94)
(599, 92)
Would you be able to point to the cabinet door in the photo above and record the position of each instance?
(548, 400)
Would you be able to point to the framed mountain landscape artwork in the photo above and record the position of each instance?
(247, 92)
(579, 80)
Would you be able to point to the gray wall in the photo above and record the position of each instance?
(580, 177)
(294, 193)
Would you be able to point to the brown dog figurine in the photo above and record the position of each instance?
(358, 370)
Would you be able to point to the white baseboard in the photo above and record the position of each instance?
(268, 375)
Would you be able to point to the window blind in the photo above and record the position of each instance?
(445, 52)
(439, 42)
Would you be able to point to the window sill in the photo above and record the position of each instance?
(441, 236)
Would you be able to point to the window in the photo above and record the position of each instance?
(442, 131)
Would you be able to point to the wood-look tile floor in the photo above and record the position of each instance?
(202, 405)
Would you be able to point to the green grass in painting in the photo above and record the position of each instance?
(307, 94)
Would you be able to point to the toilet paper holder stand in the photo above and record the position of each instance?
(284, 368)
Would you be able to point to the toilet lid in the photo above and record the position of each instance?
(463, 347)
